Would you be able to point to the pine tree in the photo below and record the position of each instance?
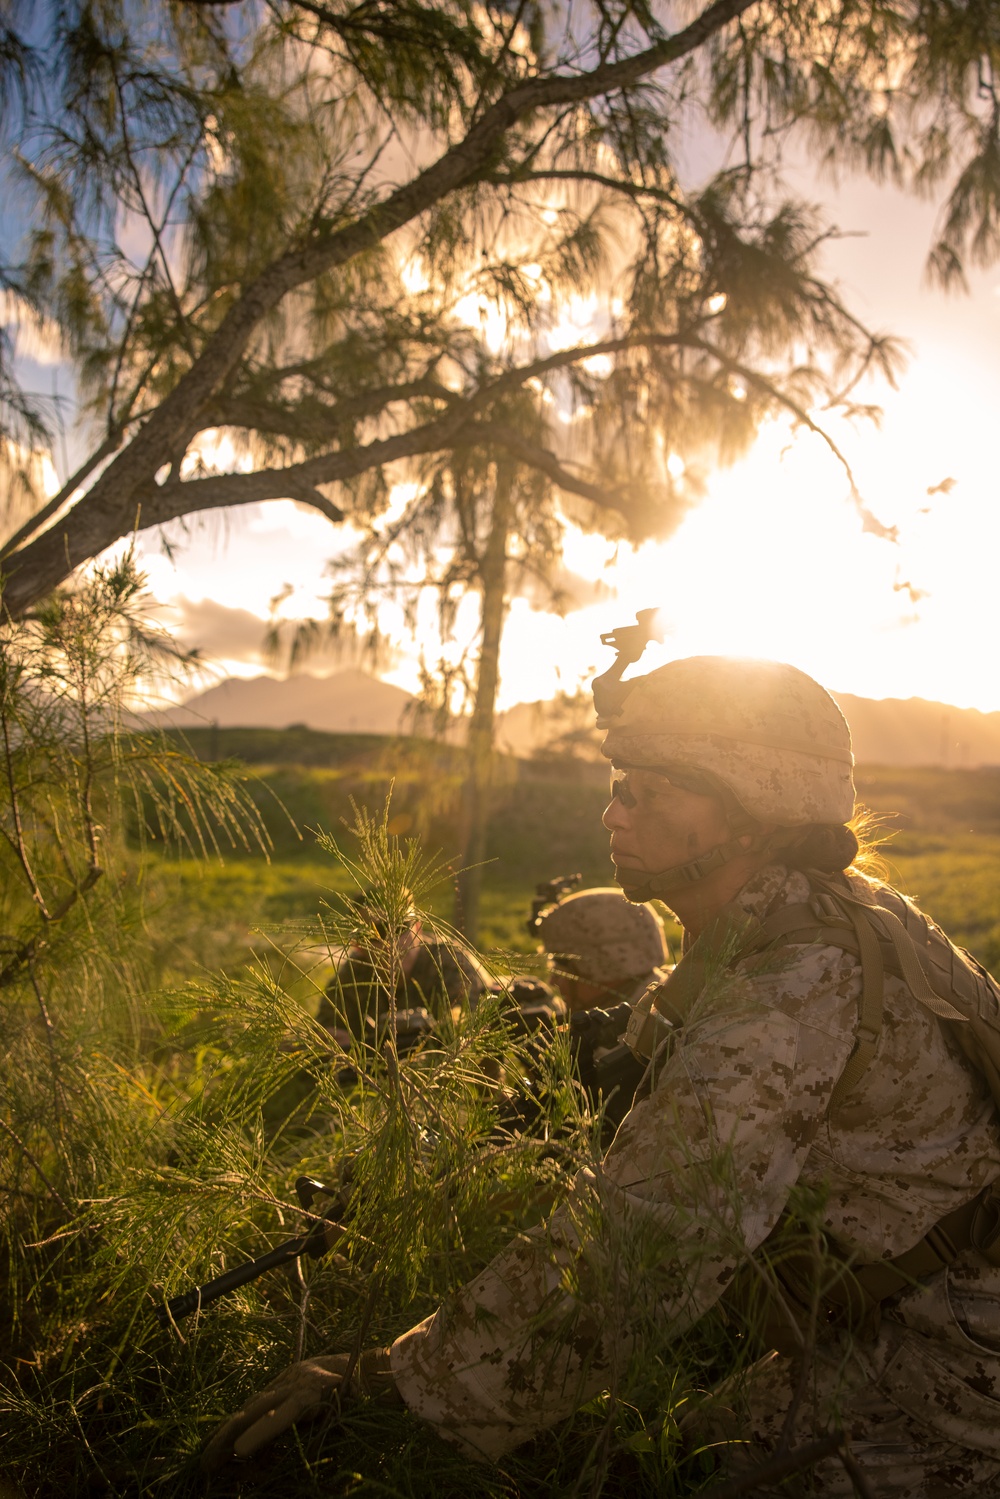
(320, 191)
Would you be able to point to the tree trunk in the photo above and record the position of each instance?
(479, 776)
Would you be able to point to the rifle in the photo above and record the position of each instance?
(610, 1080)
(608, 1070)
(317, 1239)
(612, 1077)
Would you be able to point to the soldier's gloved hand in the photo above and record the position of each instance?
(304, 1390)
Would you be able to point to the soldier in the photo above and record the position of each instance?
(820, 1056)
(604, 952)
(602, 949)
(431, 977)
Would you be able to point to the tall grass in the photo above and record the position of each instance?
(193, 1143)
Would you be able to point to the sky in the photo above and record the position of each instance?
(775, 561)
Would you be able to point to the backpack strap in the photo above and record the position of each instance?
(838, 918)
(907, 961)
(940, 1246)
(870, 1009)
(824, 1291)
(668, 1004)
(882, 941)
(850, 930)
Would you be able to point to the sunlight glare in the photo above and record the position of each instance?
(476, 312)
(773, 562)
(413, 276)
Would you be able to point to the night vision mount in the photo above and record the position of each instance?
(551, 892)
(629, 641)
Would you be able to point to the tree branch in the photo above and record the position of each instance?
(314, 421)
(534, 455)
(298, 481)
(754, 377)
(162, 503)
(584, 174)
(457, 427)
(110, 504)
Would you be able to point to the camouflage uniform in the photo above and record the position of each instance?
(736, 1117)
(755, 1109)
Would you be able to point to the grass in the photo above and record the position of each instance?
(943, 847)
(548, 822)
(189, 1150)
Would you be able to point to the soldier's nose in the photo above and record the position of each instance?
(615, 814)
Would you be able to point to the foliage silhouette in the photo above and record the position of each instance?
(352, 236)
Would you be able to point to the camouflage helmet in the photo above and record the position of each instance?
(766, 730)
(602, 937)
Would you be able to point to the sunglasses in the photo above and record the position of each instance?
(626, 781)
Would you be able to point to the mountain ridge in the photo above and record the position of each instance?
(886, 731)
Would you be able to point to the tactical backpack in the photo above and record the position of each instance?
(888, 934)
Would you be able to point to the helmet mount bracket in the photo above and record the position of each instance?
(629, 641)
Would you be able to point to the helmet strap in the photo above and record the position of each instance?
(682, 876)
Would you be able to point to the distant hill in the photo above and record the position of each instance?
(349, 702)
(911, 732)
(891, 731)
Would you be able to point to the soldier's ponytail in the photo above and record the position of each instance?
(828, 847)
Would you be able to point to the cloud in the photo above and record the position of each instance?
(216, 630)
(35, 336)
(222, 633)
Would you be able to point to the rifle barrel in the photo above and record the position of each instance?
(190, 1301)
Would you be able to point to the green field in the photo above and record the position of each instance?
(546, 823)
(940, 832)
(942, 846)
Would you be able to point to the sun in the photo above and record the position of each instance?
(773, 563)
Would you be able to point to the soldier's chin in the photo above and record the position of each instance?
(632, 882)
(625, 862)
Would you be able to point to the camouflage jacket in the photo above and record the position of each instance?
(736, 1121)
